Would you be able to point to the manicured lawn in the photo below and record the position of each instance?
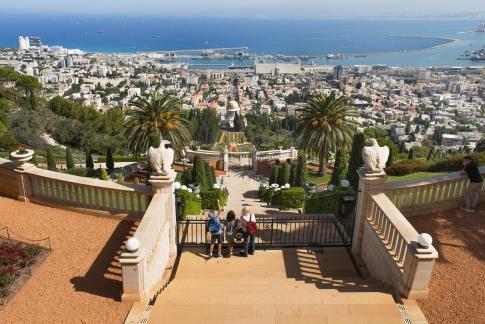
(313, 178)
(417, 175)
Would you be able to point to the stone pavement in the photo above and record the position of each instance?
(243, 189)
(275, 287)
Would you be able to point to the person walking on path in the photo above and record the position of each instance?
(472, 193)
(230, 224)
(247, 224)
(214, 226)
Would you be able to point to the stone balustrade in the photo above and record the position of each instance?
(430, 194)
(29, 183)
(386, 243)
(143, 269)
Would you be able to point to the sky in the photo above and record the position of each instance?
(255, 8)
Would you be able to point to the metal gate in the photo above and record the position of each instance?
(274, 232)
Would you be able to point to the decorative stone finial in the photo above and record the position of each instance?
(375, 157)
(160, 155)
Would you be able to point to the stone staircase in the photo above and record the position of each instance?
(277, 286)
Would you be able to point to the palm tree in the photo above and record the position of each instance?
(324, 125)
(156, 113)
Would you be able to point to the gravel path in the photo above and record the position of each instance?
(80, 281)
(456, 291)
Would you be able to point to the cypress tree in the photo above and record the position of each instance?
(69, 159)
(51, 161)
(292, 180)
(110, 165)
(355, 161)
(213, 174)
(89, 160)
(411, 154)
(301, 171)
(187, 177)
(208, 174)
(340, 167)
(273, 178)
(198, 173)
(284, 175)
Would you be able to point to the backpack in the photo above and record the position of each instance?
(251, 226)
(214, 226)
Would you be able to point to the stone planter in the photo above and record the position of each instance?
(21, 158)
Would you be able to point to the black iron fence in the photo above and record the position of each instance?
(298, 231)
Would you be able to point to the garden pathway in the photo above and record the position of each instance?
(243, 189)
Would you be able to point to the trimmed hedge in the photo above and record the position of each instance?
(455, 163)
(328, 202)
(211, 196)
(285, 198)
(406, 167)
(191, 204)
(102, 159)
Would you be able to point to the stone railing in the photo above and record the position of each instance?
(290, 153)
(427, 195)
(143, 269)
(386, 243)
(29, 183)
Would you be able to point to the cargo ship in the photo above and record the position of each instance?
(480, 28)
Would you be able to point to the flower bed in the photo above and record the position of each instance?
(16, 263)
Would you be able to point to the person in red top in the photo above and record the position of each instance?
(247, 223)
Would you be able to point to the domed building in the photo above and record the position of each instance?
(231, 110)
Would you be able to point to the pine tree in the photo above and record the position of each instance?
(340, 167)
(110, 165)
(284, 174)
(301, 171)
(355, 161)
(89, 160)
(69, 159)
(51, 161)
(411, 154)
(292, 180)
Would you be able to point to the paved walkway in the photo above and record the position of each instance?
(272, 287)
(243, 190)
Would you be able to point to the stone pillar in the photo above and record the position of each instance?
(254, 155)
(133, 274)
(163, 184)
(418, 265)
(24, 182)
(368, 183)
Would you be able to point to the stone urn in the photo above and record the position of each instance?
(21, 156)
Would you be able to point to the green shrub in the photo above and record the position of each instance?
(104, 175)
(301, 171)
(89, 159)
(455, 163)
(80, 172)
(191, 204)
(405, 167)
(120, 158)
(186, 177)
(327, 202)
(210, 197)
(292, 198)
(120, 178)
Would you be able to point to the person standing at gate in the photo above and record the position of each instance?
(230, 224)
(214, 226)
(472, 193)
(247, 224)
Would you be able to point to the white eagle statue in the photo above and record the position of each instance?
(161, 158)
(375, 157)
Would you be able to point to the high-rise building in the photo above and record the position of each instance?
(24, 43)
(35, 41)
(338, 72)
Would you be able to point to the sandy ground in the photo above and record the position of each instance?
(80, 281)
(456, 291)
